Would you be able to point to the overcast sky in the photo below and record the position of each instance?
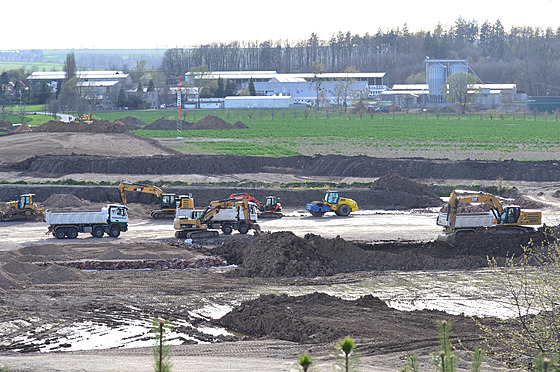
(126, 24)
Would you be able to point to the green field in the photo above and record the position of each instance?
(298, 131)
(6, 66)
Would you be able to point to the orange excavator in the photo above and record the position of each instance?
(270, 209)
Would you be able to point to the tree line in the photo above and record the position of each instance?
(525, 56)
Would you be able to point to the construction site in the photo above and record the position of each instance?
(287, 277)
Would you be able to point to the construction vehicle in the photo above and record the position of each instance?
(502, 219)
(270, 209)
(24, 208)
(168, 202)
(226, 215)
(111, 220)
(87, 118)
(332, 202)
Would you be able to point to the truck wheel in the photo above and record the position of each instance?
(227, 229)
(72, 233)
(344, 210)
(243, 229)
(115, 232)
(60, 233)
(98, 232)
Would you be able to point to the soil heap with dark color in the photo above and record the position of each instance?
(406, 192)
(283, 254)
(212, 122)
(131, 120)
(97, 126)
(209, 122)
(167, 124)
(320, 318)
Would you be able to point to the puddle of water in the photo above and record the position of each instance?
(134, 333)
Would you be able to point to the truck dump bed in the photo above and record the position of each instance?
(464, 220)
(76, 217)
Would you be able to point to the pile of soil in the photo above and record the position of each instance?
(97, 126)
(240, 125)
(64, 201)
(22, 128)
(166, 124)
(283, 254)
(6, 125)
(212, 122)
(330, 165)
(320, 318)
(209, 122)
(129, 120)
(15, 274)
(405, 192)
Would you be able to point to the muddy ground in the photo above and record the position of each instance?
(247, 302)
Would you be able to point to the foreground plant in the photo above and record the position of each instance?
(531, 283)
(305, 361)
(161, 351)
(345, 349)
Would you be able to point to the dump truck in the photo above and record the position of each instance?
(111, 220)
(24, 208)
(500, 219)
(227, 215)
(332, 202)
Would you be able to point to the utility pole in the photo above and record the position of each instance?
(179, 122)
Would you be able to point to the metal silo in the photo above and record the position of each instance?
(458, 67)
(436, 78)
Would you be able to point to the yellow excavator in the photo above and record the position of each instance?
(24, 208)
(168, 202)
(509, 219)
(197, 224)
(87, 118)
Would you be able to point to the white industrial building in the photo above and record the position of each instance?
(301, 86)
(99, 87)
(238, 102)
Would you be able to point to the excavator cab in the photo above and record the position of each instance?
(510, 215)
(168, 201)
(271, 204)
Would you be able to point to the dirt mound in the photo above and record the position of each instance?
(277, 254)
(129, 120)
(405, 192)
(55, 274)
(212, 122)
(18, 268)
(8, 281)
(167, 124)
(22, 128)
(320, 318)
(6, 125)
(97, 126)
(60, 201)
(283, 254)
(396, 182)
(240, 125)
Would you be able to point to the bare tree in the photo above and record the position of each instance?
(316, 81)
(198, 78)
(460, 88)
(346, 86)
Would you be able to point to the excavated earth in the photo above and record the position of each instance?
(47, 286)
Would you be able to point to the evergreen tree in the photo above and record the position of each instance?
(252, 91)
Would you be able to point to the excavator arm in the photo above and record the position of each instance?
(128, 186)
(482, 198)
